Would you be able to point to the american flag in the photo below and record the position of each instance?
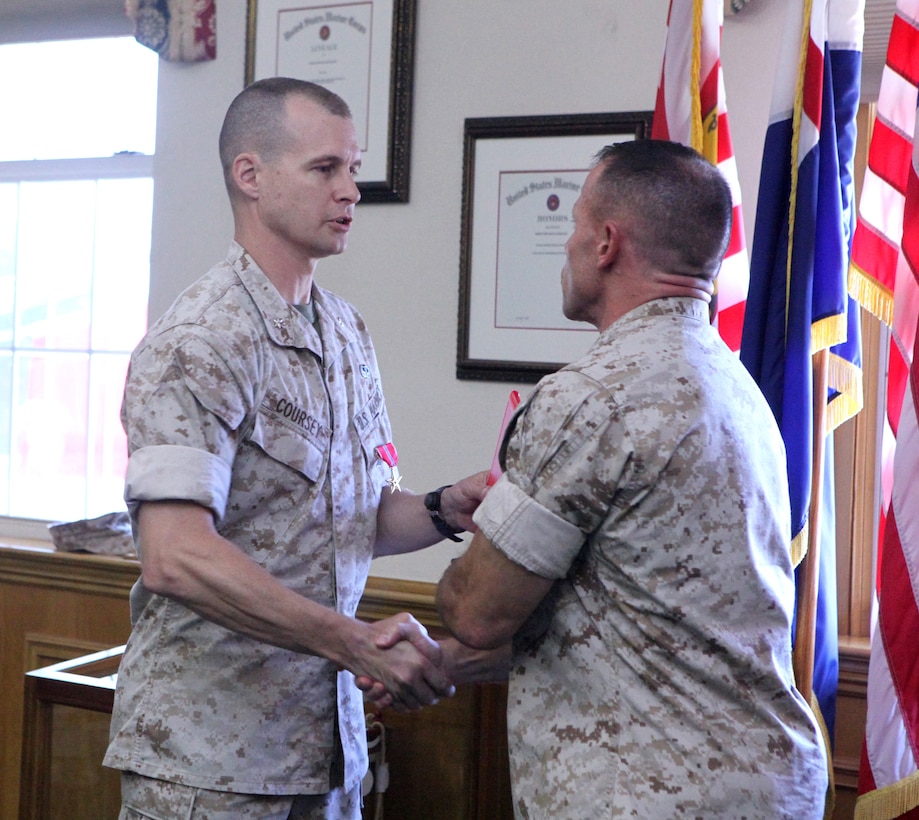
(883, 276)
(691, 109)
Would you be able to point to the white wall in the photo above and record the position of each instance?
(473, 58)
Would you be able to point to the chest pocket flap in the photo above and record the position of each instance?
(292, 436)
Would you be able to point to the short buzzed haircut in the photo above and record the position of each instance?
(255, 120)
(676, 202)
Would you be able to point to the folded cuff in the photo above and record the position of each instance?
(526, 532)
(168, 472)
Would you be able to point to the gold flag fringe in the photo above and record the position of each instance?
(828, 332)
(799, 546)
(695, 78)
(871, 294)
(890, 801)
(846, 378)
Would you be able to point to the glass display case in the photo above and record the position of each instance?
(66, 713)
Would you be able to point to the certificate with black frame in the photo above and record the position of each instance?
(364, 52)
(521, 177)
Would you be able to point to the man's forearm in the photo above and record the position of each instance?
(185, 559)
(404, 523)
(465, 665)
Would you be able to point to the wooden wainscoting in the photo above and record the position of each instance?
(851, 710)
(55, 607)
(447, 762)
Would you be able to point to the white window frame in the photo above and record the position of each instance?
(119, 166)
(30, 531)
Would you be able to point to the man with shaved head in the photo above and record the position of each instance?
(262, 481)
(632, 566)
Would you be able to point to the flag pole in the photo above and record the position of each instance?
(806, 617)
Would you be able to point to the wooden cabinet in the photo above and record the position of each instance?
(54, 607)
(66, 712)
(441, 764)
(447, 762)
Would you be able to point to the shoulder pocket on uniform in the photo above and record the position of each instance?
(372, 426)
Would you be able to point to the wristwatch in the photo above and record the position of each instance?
(432, 502)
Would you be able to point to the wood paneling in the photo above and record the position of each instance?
(851, 708)
(447, 762)
(66, 716)
(443, 765)
(53, 607)
(858, 449)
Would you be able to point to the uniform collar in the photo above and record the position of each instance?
(668, 306)
(283, 323)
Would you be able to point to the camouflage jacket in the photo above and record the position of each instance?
(655, 679)
(236, 402)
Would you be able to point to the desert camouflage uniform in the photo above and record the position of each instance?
(655, 680)
(235, 402)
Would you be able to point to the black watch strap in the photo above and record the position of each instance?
(432, 502)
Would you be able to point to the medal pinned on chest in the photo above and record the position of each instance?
(388, 453)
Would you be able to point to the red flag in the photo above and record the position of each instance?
(883, 277)
(691, 109)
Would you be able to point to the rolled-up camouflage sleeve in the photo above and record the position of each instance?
(172, 472)
(566, 458)
(181, 409)
(513, 522)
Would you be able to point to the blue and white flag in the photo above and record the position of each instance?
(798, 303)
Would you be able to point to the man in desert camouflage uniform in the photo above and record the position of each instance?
(261, 483)
(636, 550)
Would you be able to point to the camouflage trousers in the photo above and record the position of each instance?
(145, 798)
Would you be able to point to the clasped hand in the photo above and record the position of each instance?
(402, 666)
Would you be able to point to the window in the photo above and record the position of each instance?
(76, 193)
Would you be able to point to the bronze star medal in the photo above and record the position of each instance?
(388, 453)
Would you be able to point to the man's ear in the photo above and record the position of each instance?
(609, 245)
(245, 174)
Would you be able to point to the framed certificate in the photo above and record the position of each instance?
(521, 177)
(364, 52)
